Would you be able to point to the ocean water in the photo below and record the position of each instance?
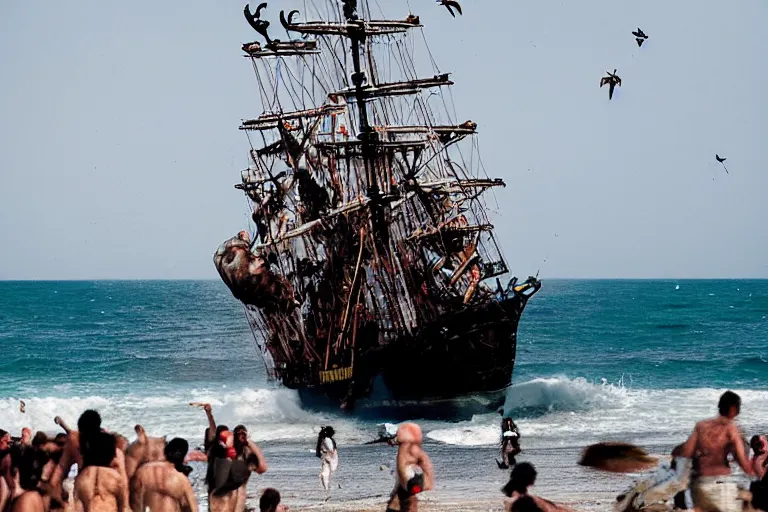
(632, 360)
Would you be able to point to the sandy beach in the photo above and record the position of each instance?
(467, 479)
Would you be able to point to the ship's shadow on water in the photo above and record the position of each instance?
(380, 405)
(385, 409)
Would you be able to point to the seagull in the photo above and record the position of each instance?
(721, 160)
(449, 4)
(612, 80)
(640, 36)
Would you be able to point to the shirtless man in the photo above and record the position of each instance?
(414, 469)
(98, 486)
(710, 443)
(248, 459)
(163, 486)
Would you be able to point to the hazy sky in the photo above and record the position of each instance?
(119, 143)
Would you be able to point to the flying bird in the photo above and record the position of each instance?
(450, 5)
(722, 160)
(640, 36)
(612, 80)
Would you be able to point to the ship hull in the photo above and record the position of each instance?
(456, 366)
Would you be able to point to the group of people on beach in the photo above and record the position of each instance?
(699, 476)
(151, 474)
(93, 470)
(37, 474)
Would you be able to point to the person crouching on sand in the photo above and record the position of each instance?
(710, 443)
(414, 470)
(522, 477)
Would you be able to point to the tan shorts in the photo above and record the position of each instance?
(716, 494)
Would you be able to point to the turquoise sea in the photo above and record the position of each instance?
(639, 360)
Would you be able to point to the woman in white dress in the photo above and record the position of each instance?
(328, 454)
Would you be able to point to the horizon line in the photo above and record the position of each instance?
(543, 279)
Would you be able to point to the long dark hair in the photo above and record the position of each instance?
(522, 476)
(325, 432)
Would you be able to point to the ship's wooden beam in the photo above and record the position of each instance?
(457, 186)
(356, 144)
(280, 48)
(398, 88)
(424, 233)
(369, 28)
(351, 206)
(270, 121)
(440, 130)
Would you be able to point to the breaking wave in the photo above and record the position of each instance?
(560, 411)
(269, 414)
(550, 412)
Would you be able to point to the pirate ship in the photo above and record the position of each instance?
(371, 257)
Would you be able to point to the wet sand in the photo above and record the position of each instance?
(467, 479)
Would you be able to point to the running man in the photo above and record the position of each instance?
(414, 470)
(709, 444)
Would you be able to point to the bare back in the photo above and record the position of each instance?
(711, 442)
(160, 487)
(100, 489)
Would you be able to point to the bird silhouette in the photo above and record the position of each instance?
(722, 160)
(450, 5)
(640, 36)
(612, 80)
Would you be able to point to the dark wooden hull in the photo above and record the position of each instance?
(459, 365)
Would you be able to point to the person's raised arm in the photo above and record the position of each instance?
(60, 422)
(61, 471)
(211, 423)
